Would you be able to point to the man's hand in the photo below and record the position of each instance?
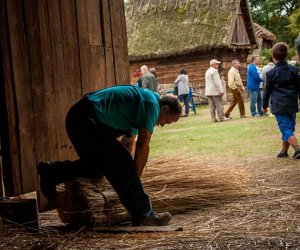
(265, 110)
(222, 93)
(142, 150)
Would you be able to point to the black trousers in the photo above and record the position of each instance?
(101, 154)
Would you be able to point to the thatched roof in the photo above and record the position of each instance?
(163, 28)
(263, 32)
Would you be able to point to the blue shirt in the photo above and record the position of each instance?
(253, 78)
(126, 107)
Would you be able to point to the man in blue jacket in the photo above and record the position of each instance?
(94, 125)
(253, 84)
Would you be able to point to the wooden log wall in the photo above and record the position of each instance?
(196, 66)
(53, 52)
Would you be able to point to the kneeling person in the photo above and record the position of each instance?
(94, 125)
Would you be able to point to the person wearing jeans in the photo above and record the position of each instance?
(94, 125)
(182, 82)
(283, 86)
(253, 85)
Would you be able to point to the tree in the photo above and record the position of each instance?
(279, 16)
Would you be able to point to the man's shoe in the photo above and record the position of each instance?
(296, 154)
(282, 154)
(154, 219)
(47, 182)
(225, 119)
(244, 116)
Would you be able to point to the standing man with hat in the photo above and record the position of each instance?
(214, 91)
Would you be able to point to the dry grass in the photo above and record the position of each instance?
(262, 213)
(176, 184)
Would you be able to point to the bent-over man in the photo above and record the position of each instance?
(94, 125)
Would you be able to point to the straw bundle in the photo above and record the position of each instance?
(176, 184)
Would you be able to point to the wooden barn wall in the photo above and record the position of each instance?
(53, 52)
(196, 66)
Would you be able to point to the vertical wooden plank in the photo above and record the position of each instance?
(95, 34)
(32, 29)
(22, 85)
(70, 90)
(110, 68)
(109, 53)
(84, 48)
(9, 141)
(119, 40)
(92, 60)
(98, 76)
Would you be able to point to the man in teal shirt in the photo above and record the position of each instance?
(94, 125)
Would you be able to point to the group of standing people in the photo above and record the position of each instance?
(147, 79)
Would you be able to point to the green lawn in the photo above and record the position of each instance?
(237, 138)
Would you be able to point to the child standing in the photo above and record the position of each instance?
(283, 86)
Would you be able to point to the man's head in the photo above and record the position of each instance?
(153, 71)
(170, 110)
(236, 64)
(144, 69)
(255, 60)
(280, 51)
(183, 72)
(214, 63)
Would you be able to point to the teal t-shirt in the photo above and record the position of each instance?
(126, 107)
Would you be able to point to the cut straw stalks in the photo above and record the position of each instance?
(176, 184)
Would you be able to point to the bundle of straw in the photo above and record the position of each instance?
(176, 184)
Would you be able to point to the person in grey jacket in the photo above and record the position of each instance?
(214, 91)
(182, 82)
(148, 80)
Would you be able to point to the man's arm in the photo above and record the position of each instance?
(253, 72)
(145, 83)
(231, 82)
(267, 92)
(217, 82)
(142, 150)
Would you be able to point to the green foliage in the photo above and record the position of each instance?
(279, 16)
(294, 25)
(265, 54)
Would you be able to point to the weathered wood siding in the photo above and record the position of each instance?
(53, 52)
(196, 65)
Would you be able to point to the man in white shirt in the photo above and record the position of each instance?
(214, 91)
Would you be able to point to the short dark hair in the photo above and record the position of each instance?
(153, 71)
(173, 103)
(183, 72)
(280, 51)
